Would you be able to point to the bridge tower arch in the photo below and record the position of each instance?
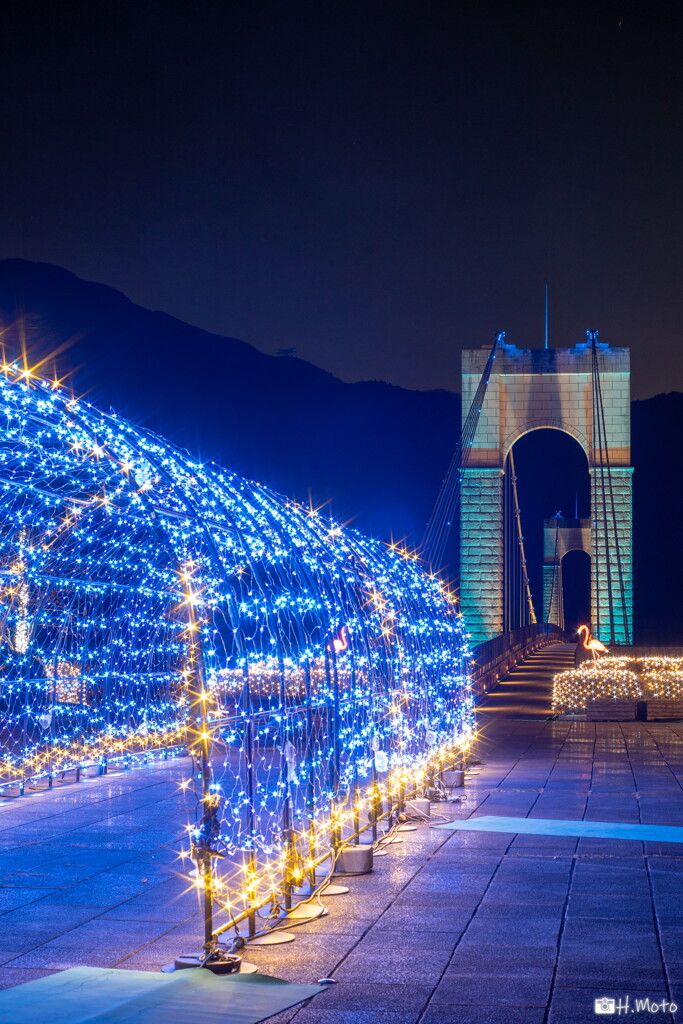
(531, 389)
(560, 536)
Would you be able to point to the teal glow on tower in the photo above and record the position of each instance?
(585, 392)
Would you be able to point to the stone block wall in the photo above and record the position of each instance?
(532, 389)
(604, 566)
(552, 610)
(559, 537)
(481, 553)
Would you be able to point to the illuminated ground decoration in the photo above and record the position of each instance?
(649, 678)
(138, 584)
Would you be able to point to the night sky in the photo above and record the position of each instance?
(376, 185)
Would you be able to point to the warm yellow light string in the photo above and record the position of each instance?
(335, 671)
(627, 678)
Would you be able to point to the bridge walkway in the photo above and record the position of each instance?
(449, 927)
(526, 692)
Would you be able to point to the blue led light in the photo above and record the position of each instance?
(132, 576)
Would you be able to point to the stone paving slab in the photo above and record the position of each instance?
(450, 928)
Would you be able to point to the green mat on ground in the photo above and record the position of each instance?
(100, 995)
(562, 827)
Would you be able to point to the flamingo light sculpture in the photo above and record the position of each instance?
(589, 643)
(340, 643)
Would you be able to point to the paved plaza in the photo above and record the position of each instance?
(450, 928)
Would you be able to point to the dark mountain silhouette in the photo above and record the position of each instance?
(656, 427)
(376, 451)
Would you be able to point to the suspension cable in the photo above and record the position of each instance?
(606, 474)
(507, 556)
(599, 443)
(438, 530)
(520, 540)
(554, 581)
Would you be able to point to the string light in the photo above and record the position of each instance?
(627, 678)
(149, 600)
(662, 677)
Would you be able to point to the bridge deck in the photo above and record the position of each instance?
(527, 691)
(450, 928)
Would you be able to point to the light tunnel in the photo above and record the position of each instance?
(326, 657)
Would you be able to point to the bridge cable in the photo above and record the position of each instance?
(598, 442)
(440, 523)
(510, 605)
(555, 580)
(615, 528)
(520, 540)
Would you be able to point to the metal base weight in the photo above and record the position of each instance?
(304, 912)
(419, 806)
(354, 860)
(326, 890)
(377, 851)
(218, 963)
(271, 939)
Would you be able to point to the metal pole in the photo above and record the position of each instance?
(249, 789)
(201, 742)
(356, 783)
(207, 878)
(287, 833)
(333, 731)
(310, 788)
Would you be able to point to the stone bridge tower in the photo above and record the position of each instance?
(560, 536)
(531, 389)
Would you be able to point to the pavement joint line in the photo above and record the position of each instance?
(563, 921)
(565, 907)
(586, 770)
(655, 915)
(360, 938)
(464, 931)
(57, 812)
(9, 802)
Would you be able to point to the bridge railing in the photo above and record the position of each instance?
(495, 658)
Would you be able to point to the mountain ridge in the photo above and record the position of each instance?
(277, 419)
(375, 451)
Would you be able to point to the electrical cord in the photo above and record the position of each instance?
(314, 896)
(319, 889)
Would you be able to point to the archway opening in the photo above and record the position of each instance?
(552, 477)
(576, 589)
